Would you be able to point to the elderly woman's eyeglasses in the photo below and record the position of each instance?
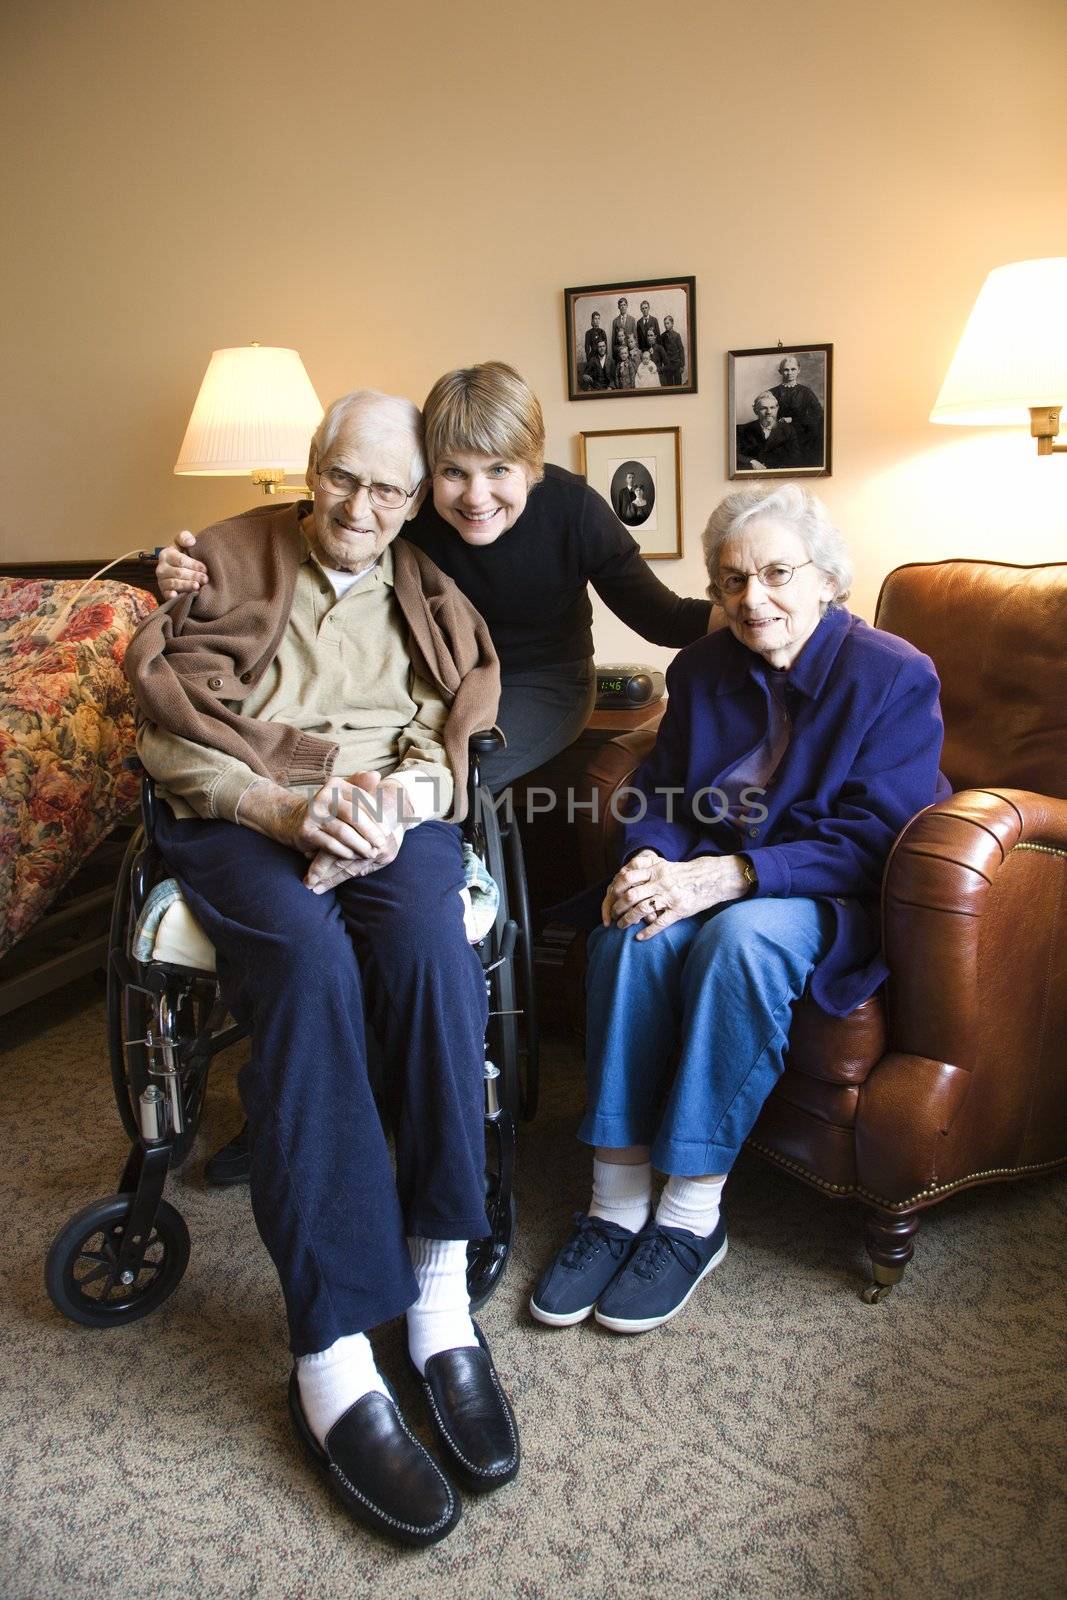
(388, 496)
(773, 576)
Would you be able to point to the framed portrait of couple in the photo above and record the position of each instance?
(639, 473)
(627, 339)
(778, 411)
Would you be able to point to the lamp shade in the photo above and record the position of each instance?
(1013, 353)
(256, 409)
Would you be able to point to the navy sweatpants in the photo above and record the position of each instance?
(306, 971)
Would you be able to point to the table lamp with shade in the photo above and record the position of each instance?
(1010, 366)
(254, 417)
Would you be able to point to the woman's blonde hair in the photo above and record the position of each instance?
(489, 410)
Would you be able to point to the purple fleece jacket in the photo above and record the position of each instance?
(862, 760)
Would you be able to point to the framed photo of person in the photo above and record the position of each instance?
(627, 339)
(639, 473)
(778, 411)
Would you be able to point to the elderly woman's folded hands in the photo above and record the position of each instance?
(656, 892)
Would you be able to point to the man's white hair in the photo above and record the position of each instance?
(382, 419)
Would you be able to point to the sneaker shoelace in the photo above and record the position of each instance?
(658, 1247)
(593, 1233)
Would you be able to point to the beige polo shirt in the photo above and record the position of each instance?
(342, 673)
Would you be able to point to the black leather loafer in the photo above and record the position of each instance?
(380, 1472)
(472, 1416)
(232, 1164)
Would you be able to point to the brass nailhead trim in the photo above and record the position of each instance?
(900, 1205)
(1042, 849)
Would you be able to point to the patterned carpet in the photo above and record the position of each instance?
(780, 1438)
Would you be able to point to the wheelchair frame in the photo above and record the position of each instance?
(119, 1258)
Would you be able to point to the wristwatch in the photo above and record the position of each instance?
(748, 872)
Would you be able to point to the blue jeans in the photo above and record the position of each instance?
(714, 993)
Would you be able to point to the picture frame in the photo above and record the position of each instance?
(797, 444)
(638, 471)
(595, 308)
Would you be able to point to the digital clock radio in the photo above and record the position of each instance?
(627, 685)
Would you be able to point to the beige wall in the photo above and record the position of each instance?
(423, 181)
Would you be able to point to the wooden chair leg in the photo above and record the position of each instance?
(890, 1239)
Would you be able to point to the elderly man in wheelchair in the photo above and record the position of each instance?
(333, 905)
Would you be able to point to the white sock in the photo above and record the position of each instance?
(691, 1203)
(440, 1319)
(332, 1380)
(622, 1193)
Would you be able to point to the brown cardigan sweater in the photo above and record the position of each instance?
(199, 651)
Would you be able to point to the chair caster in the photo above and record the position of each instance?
(487, 1259)
(83, 1276)
(874, 1293)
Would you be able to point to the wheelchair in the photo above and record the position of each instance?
(119, 1258)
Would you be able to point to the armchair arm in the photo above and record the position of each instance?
(951, 887)
(609, 769)
(973, 907)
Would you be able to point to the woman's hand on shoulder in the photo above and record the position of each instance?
(176, 571)
(655, 893)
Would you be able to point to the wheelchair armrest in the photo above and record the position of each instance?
(963, 880)
(480, 744)
(149, 805)
(485, 741)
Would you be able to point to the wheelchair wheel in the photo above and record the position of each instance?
(131, 1014)
(488, 1258)
(502, 1037)
(82, 1276)
(127, 1013)
(529, 1035)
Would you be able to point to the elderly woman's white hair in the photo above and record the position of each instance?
(384, 419)
(800, 510)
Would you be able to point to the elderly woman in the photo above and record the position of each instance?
(523, 541)
(796, 744)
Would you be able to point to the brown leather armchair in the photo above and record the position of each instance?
(955, 1074)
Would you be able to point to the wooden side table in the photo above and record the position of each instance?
(553, 858)
(547, 799)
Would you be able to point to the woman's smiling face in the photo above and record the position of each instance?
(481, 496)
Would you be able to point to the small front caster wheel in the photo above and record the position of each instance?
(82, 1275)
(487, 1259)
(875, 1293)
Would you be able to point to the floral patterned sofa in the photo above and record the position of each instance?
(66, 725)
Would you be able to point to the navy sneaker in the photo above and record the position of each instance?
(659, 1277)
(569, 1289)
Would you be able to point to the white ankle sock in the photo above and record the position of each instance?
(622, 1193)
(440, 1319)
(332, 1380)
(691, 1203)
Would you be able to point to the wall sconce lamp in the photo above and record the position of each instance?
(1010, 366)
(255, 415)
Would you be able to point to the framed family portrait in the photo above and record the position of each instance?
(626, 339)
(778, 411)
(639, 473)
